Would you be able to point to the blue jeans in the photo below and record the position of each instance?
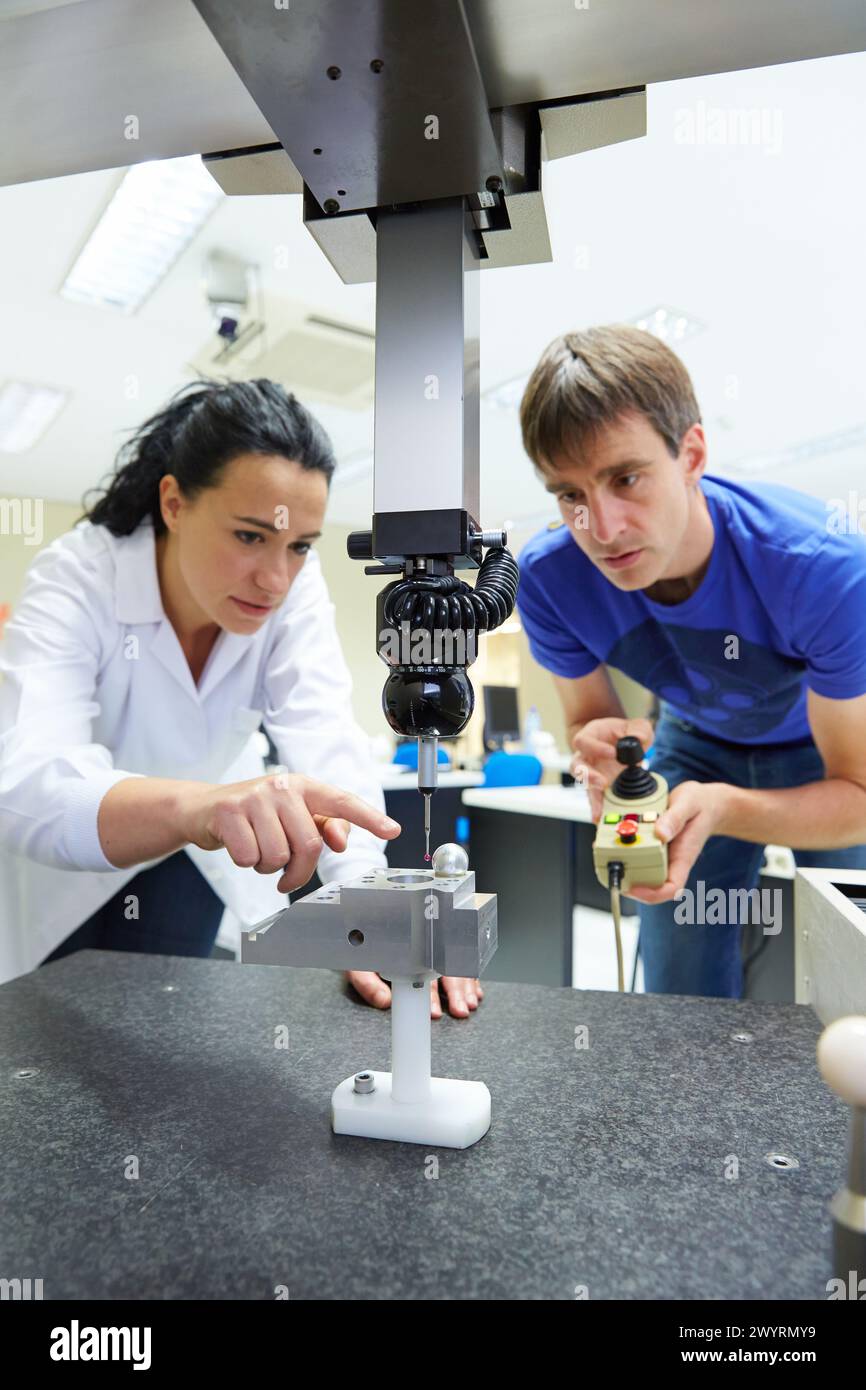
(178, 915)
(681, 958)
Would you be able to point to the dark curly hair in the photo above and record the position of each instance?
(203, 427)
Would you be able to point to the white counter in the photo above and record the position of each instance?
(558, 803)
(395, 778)
(572, 803)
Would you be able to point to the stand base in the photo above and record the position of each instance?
(453, 1116)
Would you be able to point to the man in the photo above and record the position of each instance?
(742, 608)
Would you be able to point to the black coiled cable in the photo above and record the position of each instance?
(444, 602)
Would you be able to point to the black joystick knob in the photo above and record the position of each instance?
(634, 781)
(629, 750)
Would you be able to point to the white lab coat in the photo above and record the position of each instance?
(95, 687)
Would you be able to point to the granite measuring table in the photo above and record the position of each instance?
(603, 1172)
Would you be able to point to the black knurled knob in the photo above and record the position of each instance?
(359, 545)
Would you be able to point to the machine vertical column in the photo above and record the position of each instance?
(410, 1041)
(427, 355)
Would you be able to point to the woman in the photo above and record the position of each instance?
(183, 611)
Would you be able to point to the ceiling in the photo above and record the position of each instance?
(760, 240)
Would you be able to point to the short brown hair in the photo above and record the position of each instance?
(586, 380)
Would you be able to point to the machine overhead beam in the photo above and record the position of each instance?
(375, 103)
(72, 73)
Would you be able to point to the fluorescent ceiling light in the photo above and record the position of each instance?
(671, 325)
(817, 447)
(26, 411)
(155, 212)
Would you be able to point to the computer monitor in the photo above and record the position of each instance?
(501, 715)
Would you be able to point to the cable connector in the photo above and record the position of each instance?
(614, 880)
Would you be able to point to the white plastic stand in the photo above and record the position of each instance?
(408, 1104)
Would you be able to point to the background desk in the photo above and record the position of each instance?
(532, 846)
(603, 1167)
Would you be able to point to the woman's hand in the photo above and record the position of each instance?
(594, 764)
(463, 996)
(278, 822)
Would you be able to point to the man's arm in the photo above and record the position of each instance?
(830, 814)
(587, 697)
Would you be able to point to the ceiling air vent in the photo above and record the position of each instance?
(319, 359)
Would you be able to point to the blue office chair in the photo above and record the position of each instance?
(512, 770)
(406, 755)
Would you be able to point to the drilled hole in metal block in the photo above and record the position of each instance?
(356, 937)
(409, 878)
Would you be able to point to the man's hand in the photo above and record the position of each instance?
(463, 996)
(695, 810)
(594, 764)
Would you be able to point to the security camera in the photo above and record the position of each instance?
(228, 328)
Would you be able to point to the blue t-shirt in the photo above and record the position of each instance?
(782, 606)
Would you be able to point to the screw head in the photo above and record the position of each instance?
(376, 65)
(494, 184)
(364, 1083)
(334, 72)
(331, 205)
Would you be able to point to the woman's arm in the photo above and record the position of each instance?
(282, 821)
(63, 802)
(53, 774)
(307, 703)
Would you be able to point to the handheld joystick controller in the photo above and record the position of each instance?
(626, 829)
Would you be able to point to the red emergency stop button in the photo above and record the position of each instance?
(627, 831)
